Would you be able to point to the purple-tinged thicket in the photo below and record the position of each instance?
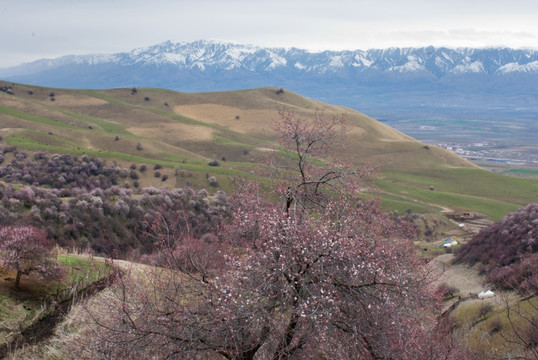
(78, 202)
(60, 171)
(508, 250)
(110, 221)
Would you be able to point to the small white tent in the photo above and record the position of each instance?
(486, 294)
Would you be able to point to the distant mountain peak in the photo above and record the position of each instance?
(205, 55)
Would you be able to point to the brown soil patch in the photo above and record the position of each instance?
(38, 109)
(459, 276)
(78, 100)
(173, 132)
(249, 121)
(255, 121)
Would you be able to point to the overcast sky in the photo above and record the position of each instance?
(34, 29)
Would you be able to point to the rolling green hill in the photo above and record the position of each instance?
(185, 131)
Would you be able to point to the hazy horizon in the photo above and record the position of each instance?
(56, 28)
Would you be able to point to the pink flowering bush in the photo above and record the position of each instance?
(509, 250)
(26, 250)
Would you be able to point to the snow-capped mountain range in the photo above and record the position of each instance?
(223, 57)
(395, 84)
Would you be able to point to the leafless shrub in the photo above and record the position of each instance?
(213, 181)
(484, 310)
(495, 326)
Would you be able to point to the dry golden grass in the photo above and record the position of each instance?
(75, 100)
(247, 114)
(479, 336)
(460, 276)
(41, 108)
(240, 120)
(194, 128)
(173, 133)
(69, 334)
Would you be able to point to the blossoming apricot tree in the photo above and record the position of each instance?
(330, 275)
(25, 249)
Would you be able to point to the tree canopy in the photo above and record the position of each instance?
(25, 249)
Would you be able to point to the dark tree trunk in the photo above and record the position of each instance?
(18, 279)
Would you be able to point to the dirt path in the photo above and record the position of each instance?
(459, 276)
(467, 280)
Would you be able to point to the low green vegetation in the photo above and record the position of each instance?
(83, 268)
(219, 139)
(67, 147)
(522, 172)
(493, 209)
(132, 133)
(107, 126)
(402, 205)
(462, 188)
(470, 181)
(4, 110)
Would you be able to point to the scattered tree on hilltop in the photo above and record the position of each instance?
(26, 250)
(305, 140)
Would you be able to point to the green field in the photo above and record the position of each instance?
(522, 172)
(476, 190)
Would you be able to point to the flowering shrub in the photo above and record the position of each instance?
(82, 208)
(26, 250)
(509, 249)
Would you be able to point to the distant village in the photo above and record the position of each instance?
(492, 153)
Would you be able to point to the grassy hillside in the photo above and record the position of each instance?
(185, 131)
(38, 298)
